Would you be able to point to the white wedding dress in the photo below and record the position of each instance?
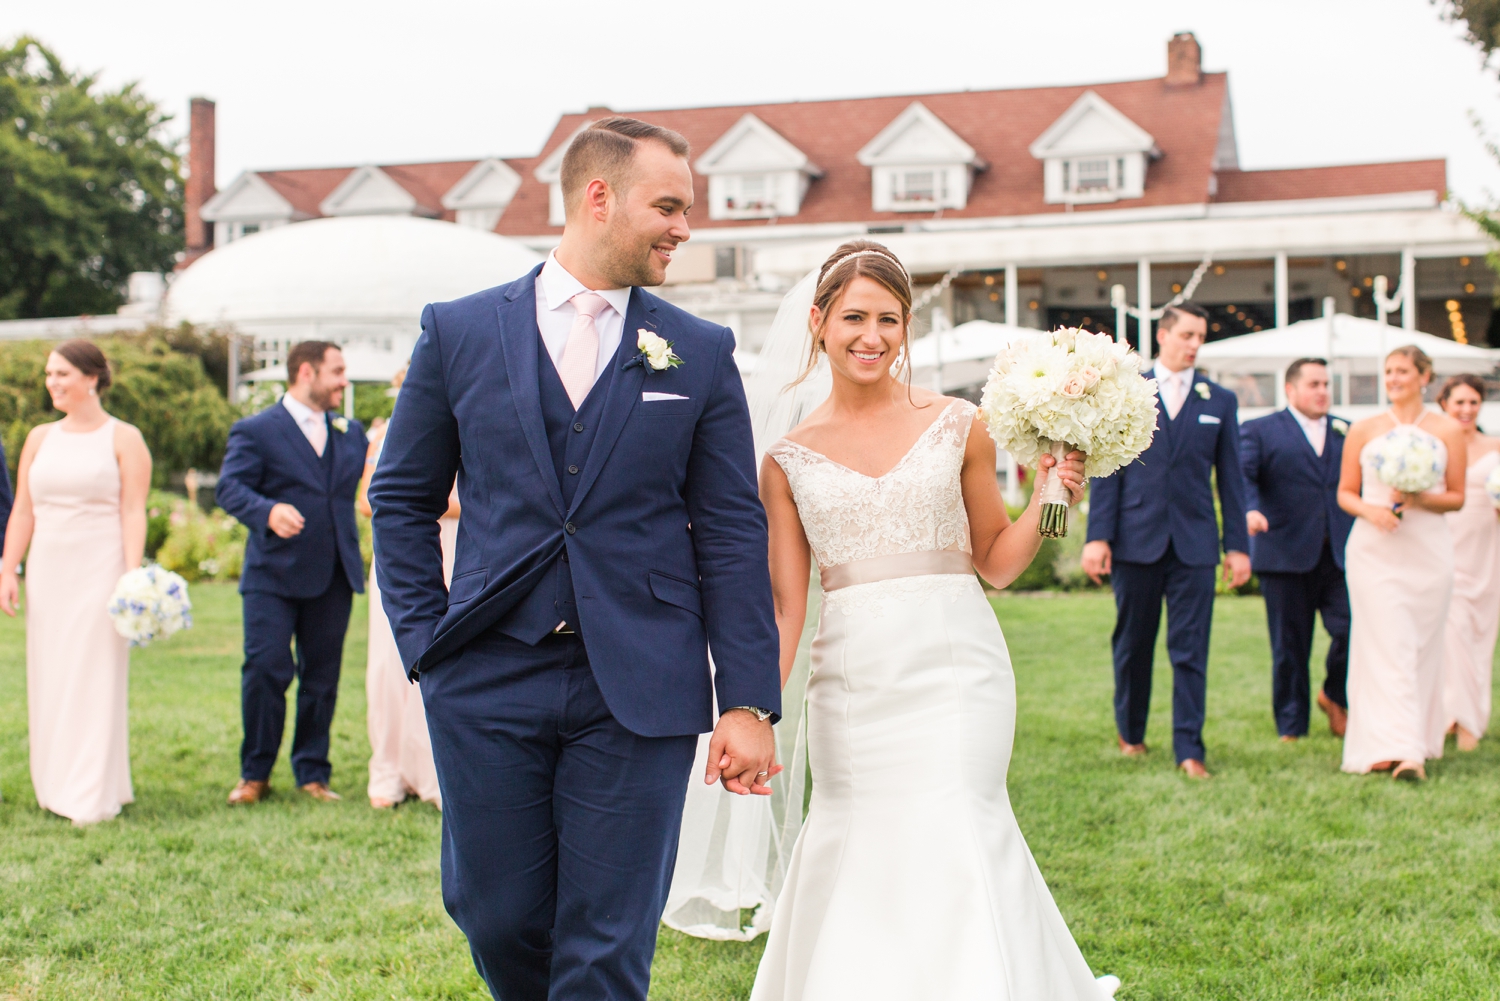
(910, 878)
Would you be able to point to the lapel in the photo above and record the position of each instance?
(299, 444)
(624, 392)
(520, 338)
(1294, 428)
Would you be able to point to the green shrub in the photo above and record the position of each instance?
(159, 508)
(203, 546)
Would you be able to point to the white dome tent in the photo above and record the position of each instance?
(1254, 365)
(963, 354)
(358, 281)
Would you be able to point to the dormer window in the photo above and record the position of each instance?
(549, 172)
(918, 164)
(481, 196)
(755, 173)
(1093, 153)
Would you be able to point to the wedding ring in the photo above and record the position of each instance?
(759, 774)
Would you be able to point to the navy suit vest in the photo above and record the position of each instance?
(570, 437)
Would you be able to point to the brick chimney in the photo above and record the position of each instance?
(1184, 60)
(200, 180)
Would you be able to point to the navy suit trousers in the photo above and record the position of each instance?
(1189, 592)
(559, 825)
(271, 624)
(1293, 601)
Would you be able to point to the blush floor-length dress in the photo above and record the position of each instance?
(400, 747)
(910, 877)
(1399, 586)
(1474, 612)
(77, 666)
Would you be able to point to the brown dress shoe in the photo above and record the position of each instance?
(249, 791)
(1131, 750)
(1193, 769)
(1289, 738)
(1338, 716)
(320, 791)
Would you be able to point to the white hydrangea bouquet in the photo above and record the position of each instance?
(1492, 486)
(150, 603)
(1407, 461)
(1066, 390)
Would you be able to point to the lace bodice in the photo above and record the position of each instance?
(917, 506)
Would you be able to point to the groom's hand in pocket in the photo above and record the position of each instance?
(742, 753)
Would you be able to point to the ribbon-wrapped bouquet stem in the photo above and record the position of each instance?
(1069, 390)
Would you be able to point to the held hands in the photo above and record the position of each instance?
(1070, 472)
(1384, 518)
(10, 592)
(1236, 568)
(286, 521)
(1255, 523)
(742, 752)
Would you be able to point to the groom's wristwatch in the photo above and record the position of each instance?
(760, 714)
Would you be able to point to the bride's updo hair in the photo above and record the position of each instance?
(859, 259)
(1415, 355)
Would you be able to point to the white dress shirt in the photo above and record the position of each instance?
(1316, 430)
(314, 423)
(555, 289)
(1173, 387)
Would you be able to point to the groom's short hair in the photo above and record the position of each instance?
(605, 150)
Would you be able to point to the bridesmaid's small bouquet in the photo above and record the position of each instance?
(1492, 486)
(1069, 389)
(1407, 461)
(150, 603)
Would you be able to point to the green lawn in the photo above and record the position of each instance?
(1280, 879)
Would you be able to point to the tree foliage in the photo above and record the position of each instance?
(90, 187)
(1480, 18)
(160, 385)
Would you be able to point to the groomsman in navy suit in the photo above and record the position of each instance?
(1297, 535)
(1152, 529)
(289, 474)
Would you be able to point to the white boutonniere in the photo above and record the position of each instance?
(1340, 427)
(340, 424)
(1203, 390)
(656, 351)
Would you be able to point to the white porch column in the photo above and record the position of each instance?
(1409, 290)
(1143, 294)
(1283, 310)
(349, 401)
(1012, 306)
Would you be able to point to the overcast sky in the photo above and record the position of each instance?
(316, 83)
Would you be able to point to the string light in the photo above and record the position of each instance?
(1218, 269)
(1101, 274)
(989, 279)
(1340, 265)
(1463, 262)
(1176, 287)
(1456, 321)
(1469, 288)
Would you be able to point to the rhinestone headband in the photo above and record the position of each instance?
(868, 253)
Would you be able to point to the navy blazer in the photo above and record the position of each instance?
(1296, 489)
(7, 497)
(1165, 496)
(270, 461)
(665, 536)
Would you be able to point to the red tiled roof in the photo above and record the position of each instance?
(999, 124)
(427, 182)
(1333, 182)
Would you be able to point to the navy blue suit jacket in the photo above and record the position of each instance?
(665, 535)
(7, 497)
(270, 461)
(1165, 496)
(1296, 489)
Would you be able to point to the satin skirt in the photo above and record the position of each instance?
(1399, 588)
(910, 878)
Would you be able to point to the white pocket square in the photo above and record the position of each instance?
(1208, 419)
(653, 397)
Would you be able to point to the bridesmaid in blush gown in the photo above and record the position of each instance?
(81, 511)
(1399, 566)
(1474, 612)
(401, 761)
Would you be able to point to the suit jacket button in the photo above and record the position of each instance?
(573, 470)
(578, 426)
(571, 529)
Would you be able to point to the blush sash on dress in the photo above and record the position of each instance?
(878, 568)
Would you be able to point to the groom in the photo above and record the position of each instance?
(612, 533)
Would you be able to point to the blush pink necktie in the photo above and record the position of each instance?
(580, 357)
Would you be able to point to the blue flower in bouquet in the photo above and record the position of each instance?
(150, 603)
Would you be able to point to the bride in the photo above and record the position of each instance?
(910, 877)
